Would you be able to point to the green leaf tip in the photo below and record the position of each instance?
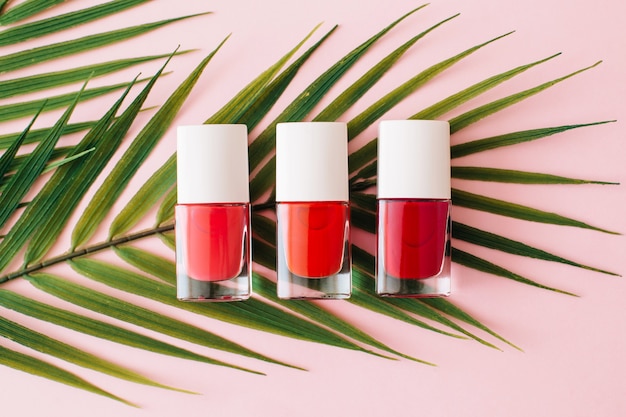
(486, 239)
(480, 264)
(508, 139)
(488, 109)
(517, 211)
(474, 173)
(34, 366)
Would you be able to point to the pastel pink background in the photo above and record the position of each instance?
(574, 359)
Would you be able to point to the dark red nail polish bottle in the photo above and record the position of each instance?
(213, 260)
(413, 248)
(312, 208)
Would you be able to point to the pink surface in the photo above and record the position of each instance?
(573, 362)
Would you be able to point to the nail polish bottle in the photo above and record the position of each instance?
(413, 231)
(213, 260)
(313, 211)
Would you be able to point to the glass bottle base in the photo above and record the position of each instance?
(413, 288)
(294, 287)
(235, 289)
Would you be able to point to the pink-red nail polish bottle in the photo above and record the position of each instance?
(213, 260)
(413, 232)
(313, 211)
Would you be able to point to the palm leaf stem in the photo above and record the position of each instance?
(86, 251)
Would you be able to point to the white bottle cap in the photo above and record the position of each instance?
(212, 164)
(311, 161)
(414, 159)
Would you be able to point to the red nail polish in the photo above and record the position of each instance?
(213, 260)
(313, 213)
(413, 248)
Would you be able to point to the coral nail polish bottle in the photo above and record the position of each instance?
(313, 211)
(213, 260)
(413, 247)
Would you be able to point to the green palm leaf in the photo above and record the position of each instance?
(33, 56)
(305, 102)
(387, 102)
(37, 135)
(278, 322)
(16, 111)
(516, 177)
(240, 104)
(21, 182)
(45, 344)
(58, 23)
(165, 177)
(481, 112)
(134, 156)
(77, 167)
(63, 191)
(491, 240)
(34, 217)
(91, 326)
(455, 100)
(25, 10)
(38, 367)
(481, 145)
(111, 306)
(349, 96)
(518, 211)
(26, 85)
(363, 295)
(475, 262)
(8, 158)
(270, 94)
(364, 280)
(267, 289)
